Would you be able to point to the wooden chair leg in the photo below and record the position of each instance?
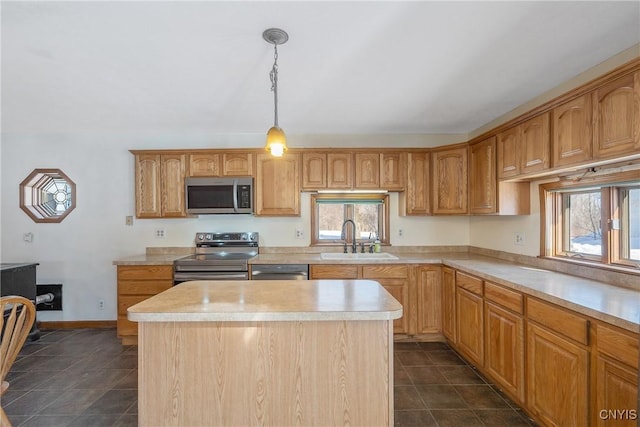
(4, 421)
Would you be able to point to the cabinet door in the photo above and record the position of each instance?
(534, 144)
(616, 390)
(367, 171)
(429, 304)
(449, 181)
(399, 289)
(333, 271)
(314, 171)
(392, 171)
(201, 164)
(470, 325)
(173, 173)
(508, 146)
(339, 171)
(277, 185)
(415, 199)
(449, 304)
(617, 117)
(148, 186)
(557, 388)
(237, 164)
(482, 191)
(572, 132)
(504, 348)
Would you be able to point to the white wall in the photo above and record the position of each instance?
(79, 251)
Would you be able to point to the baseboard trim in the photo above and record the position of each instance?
(78, 324)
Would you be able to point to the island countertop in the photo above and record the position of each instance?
(269, 300)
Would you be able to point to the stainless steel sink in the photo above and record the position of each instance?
(336, 256)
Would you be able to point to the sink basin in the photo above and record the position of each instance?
(366, 255)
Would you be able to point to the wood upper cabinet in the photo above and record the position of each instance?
(428, 308)
(237, 164)
(173, 173)
(572, 132)
(204, 164)
(277, 185)
(449, 304)
(415, 199)
(449, 181)
(392, 171)
(367, 170)
(483, 181)
(524, 149)
(160, 185)
(616, 117)
(314, 171)
(340, 171)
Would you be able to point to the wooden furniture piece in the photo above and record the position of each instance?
(160, 185)
(524, 149)
(277, 185)
(18, 316)
(449, 183)
(470, 317)
(416, 200)
(137, 283)
(266, 352)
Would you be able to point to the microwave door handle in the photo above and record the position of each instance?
(235, 195)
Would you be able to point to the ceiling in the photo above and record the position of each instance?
(348, 67)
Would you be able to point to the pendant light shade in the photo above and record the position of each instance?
(276, 141)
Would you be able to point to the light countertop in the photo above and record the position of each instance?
(270, 300)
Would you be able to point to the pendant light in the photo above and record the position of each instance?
(276, 141)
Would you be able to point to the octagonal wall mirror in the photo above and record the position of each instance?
(47, 195)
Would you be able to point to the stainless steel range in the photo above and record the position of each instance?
(218, 256)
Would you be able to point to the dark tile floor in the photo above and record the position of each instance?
(85, 377)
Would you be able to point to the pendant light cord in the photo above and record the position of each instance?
(273, 75)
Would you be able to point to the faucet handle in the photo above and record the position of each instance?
(344, 247)
(361, 247)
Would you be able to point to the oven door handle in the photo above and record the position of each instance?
(224, 276)
(235, 195)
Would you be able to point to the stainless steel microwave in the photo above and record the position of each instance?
(219, 195)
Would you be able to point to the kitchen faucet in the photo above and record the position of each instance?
(353, 236)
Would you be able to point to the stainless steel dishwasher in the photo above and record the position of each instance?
(280, 272)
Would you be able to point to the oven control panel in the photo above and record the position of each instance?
(247, 237)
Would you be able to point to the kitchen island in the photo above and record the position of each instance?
(239, 353)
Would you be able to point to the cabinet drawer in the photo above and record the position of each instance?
(620, 346)
(505, 297)
(143, 287)
(145, 272)
(470, 283)
(385, 271)
(333, 271)
(124, 302)
(559, 320)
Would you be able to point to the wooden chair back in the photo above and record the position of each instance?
(20, 315)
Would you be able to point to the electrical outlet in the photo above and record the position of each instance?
(160, 233)
(27, 237)
(518, 238)
(299, 233)
(101, 304)
(400, 232)
(128, 220)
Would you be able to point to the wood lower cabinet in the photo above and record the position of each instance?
(504, 348)
(615, 377)
(428, 307)
(449, 312)
(277, 185)
(137, 283)
(572, 137)
(449, 183)
(415, 199)
(470, 325)
(557, 372)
